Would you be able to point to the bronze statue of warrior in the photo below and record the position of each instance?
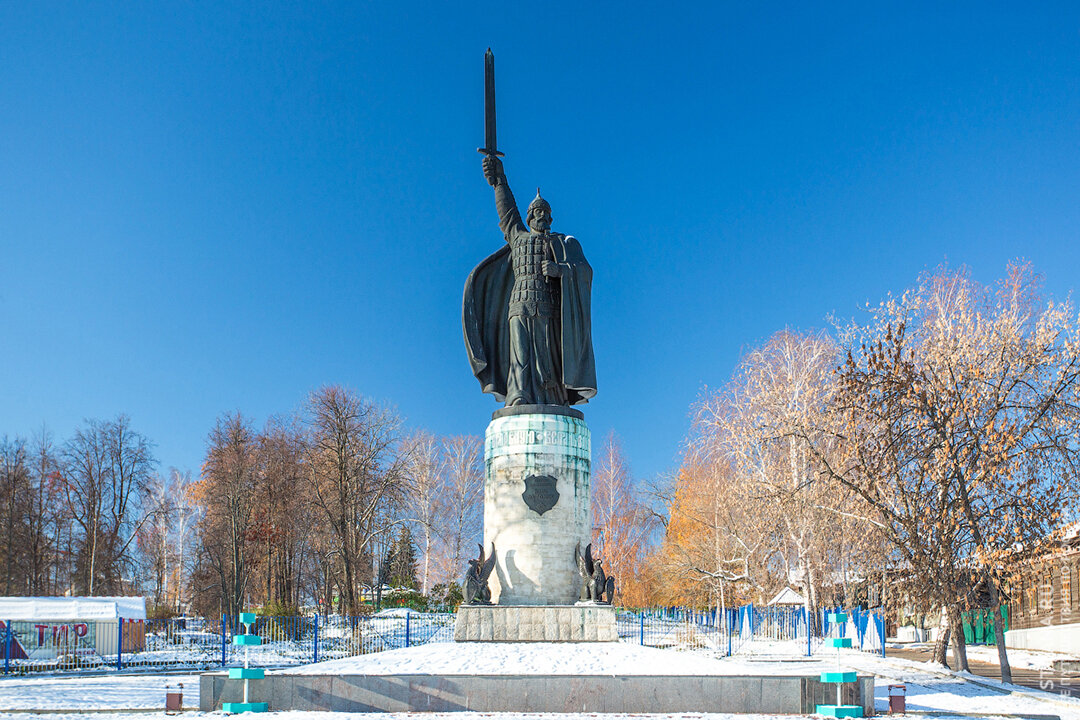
(526, 313)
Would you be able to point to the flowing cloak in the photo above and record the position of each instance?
(485, 321)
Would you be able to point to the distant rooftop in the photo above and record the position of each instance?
(72, 608)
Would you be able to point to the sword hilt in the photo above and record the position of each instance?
(490, 153)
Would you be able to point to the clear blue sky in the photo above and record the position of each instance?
(210, 207)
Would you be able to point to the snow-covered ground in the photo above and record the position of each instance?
(928, 689)
(94, 693)
(420, 716)
(612, 658)
(931, 689)
(1031, 659)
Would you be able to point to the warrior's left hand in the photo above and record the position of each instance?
(551, 268)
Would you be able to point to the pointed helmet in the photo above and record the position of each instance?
(537, 203)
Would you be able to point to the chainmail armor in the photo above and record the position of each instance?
(533, 294)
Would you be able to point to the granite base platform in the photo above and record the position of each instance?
(539, 693)
(539, 623)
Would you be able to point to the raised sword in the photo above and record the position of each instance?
(489, 106)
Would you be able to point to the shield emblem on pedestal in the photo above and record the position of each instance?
(540, 493)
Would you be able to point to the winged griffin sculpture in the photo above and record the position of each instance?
(476, 587)
(595, 586)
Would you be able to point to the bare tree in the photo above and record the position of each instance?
(154, 536)
(186, 514)
(356, 474)
(14, 494)
(748, 510)
(107, 466)
(45, 516)
(464, 500)
(227, 493)
(425, 473)
(774, 408)
(286, 516)
(959, 404)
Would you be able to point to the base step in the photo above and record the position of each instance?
(535, 694)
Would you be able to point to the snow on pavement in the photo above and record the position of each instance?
(105, 692)
(546, 659)
(1031, 659)
(414, 716)
(937, 690)
(928, 689)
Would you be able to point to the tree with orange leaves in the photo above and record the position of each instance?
(714, 546)
(621, 523)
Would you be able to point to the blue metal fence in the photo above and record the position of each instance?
(777, 630)
(286, 641)
(677, 628)
(302, 640)
(62, 646)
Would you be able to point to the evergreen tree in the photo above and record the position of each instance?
(402, 561)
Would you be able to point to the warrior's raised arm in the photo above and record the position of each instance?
(509, 216)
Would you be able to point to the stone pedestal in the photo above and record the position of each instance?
(529, 623)
(536, 504)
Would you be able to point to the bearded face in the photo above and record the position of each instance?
(539, 219)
